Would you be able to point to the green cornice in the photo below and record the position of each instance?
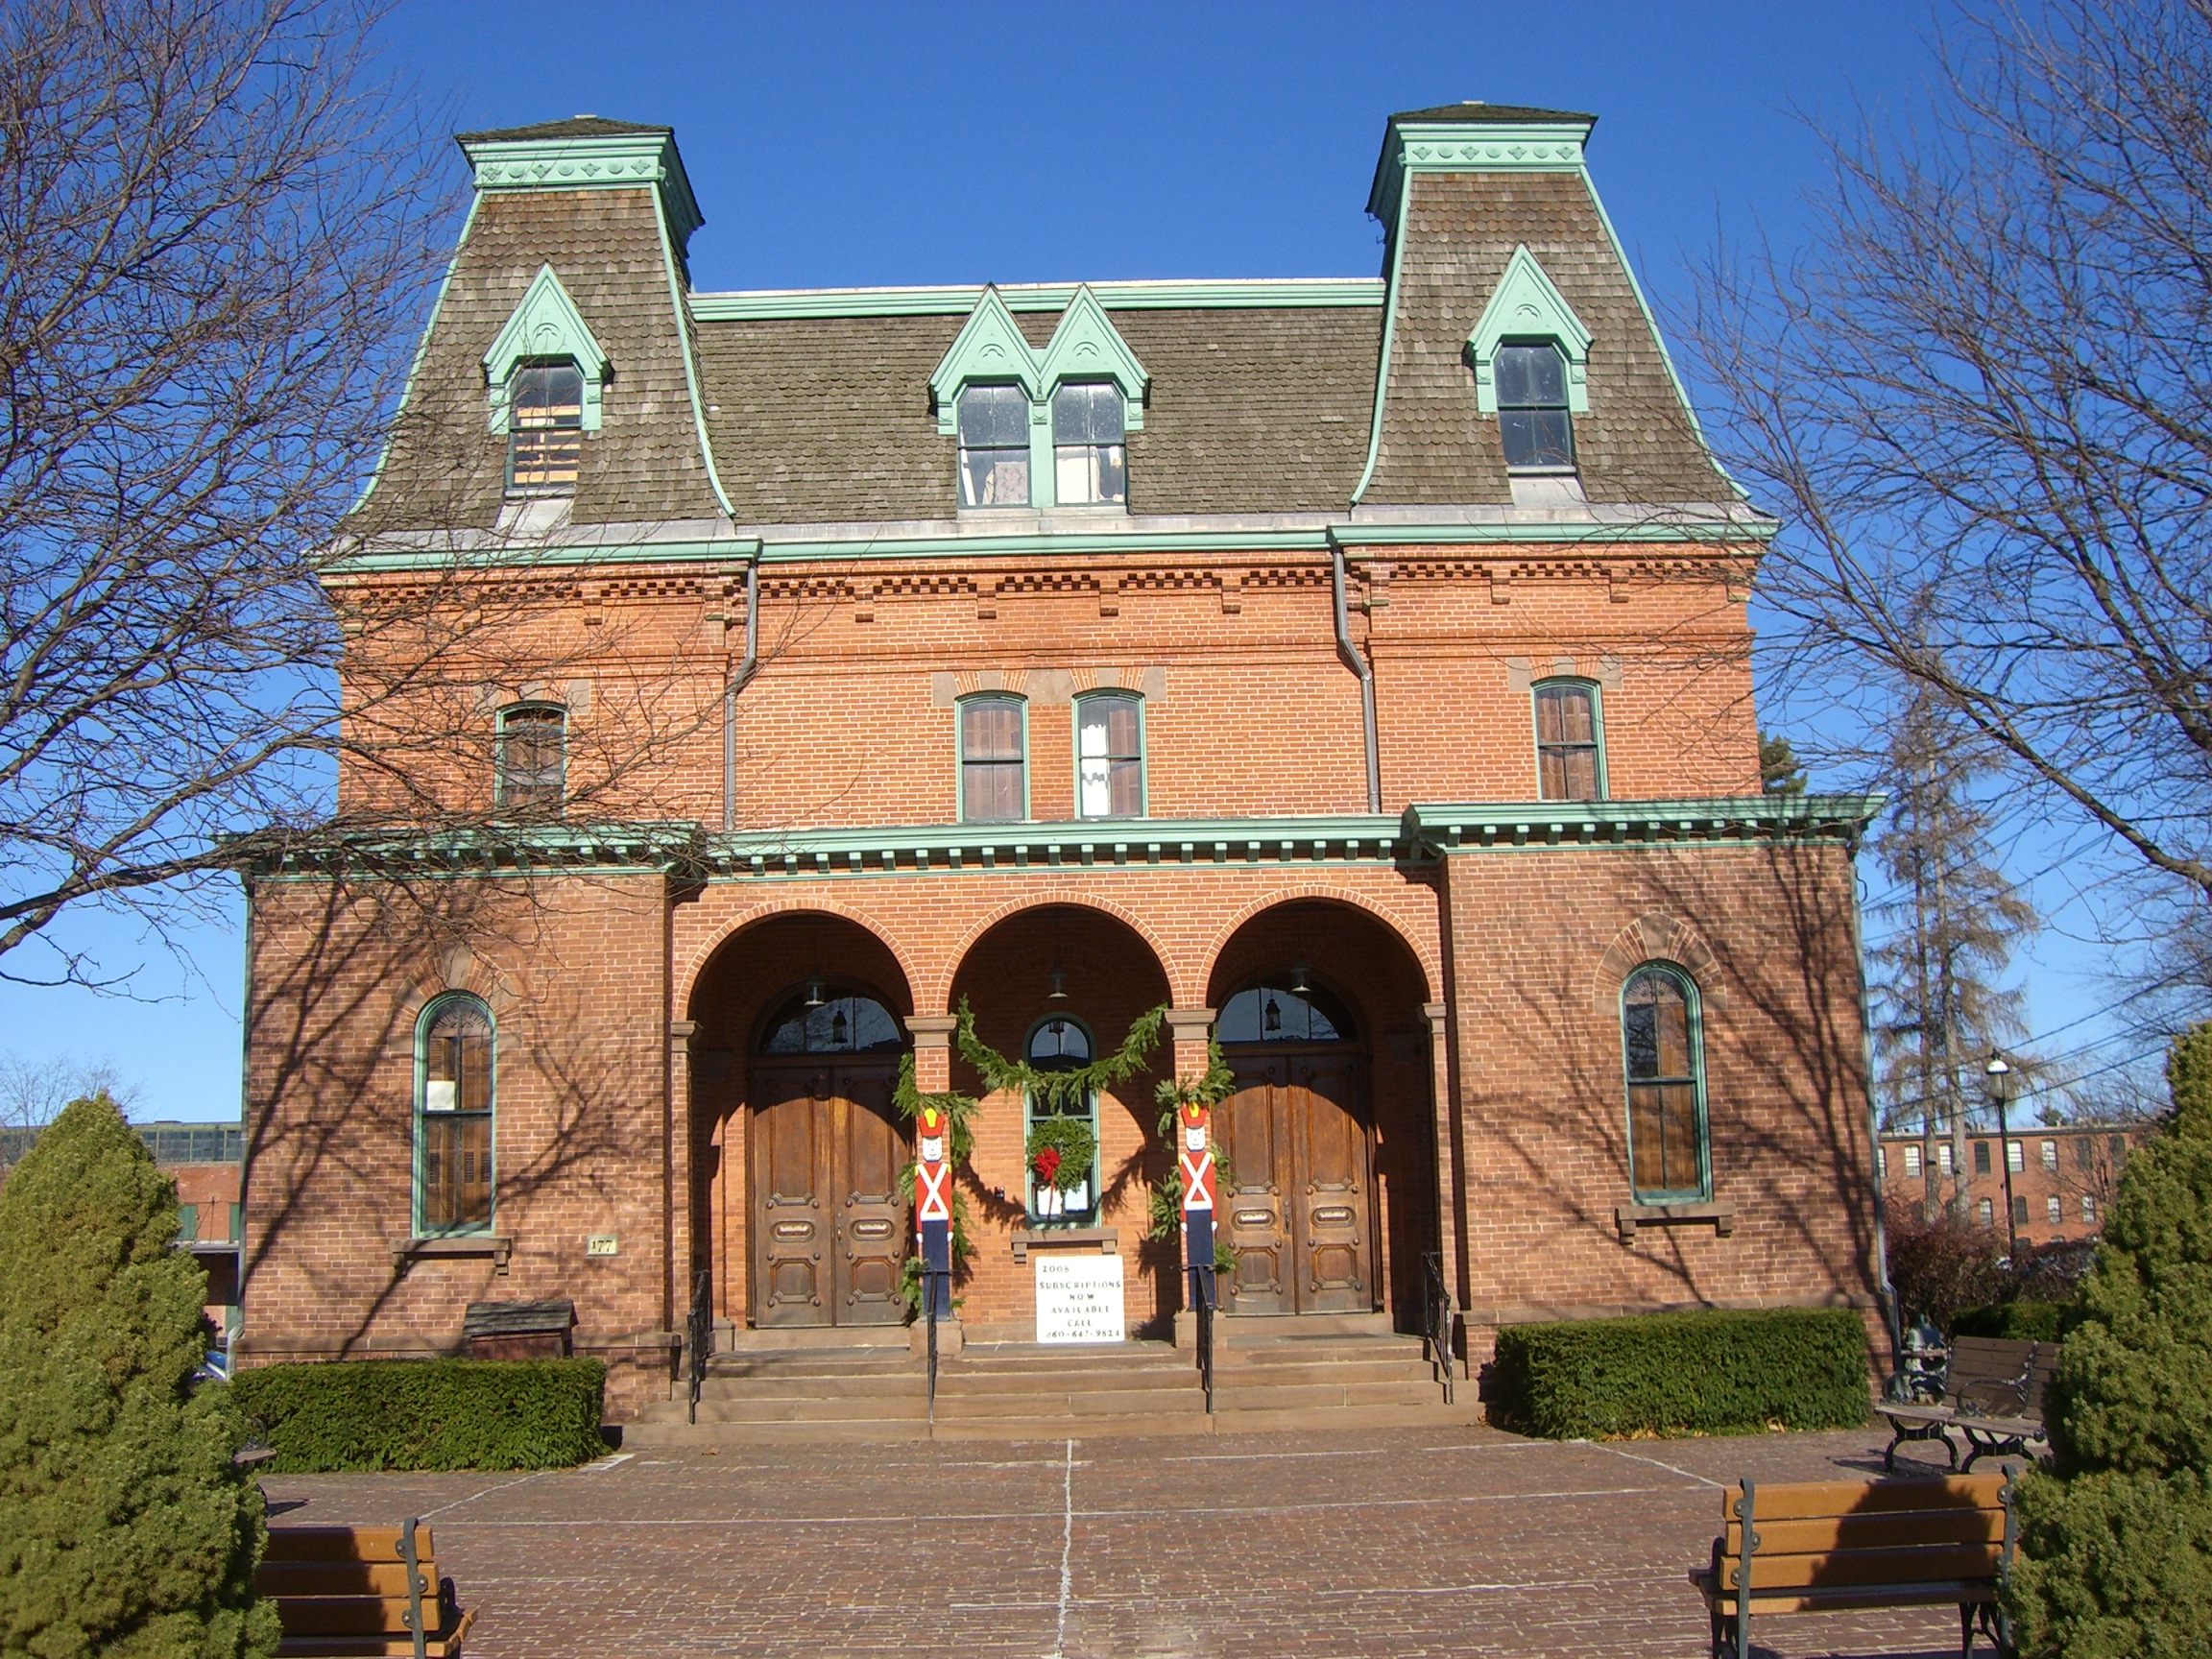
(546, 324)
(1454, 146)
(1421, 834)
(958, 299)
(631, 160)
(1701, 533)
(1481, 826)
(1527, 305)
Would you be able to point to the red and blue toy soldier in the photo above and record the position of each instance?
(1193, 1119)
(934, 1213)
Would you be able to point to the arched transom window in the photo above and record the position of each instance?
(1662, 1044)
(453, 1117)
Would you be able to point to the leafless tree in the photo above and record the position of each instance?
(33, 1092)
(1981, 401)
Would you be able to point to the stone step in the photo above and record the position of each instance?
(798, 1410)
(814, 1365)
(899, 1387)
(1242, 1376)
(1264, 1328)
(1231, 1419)
(680, 1434)
(787, 1338)
(1301, 1395)
(1149, 1379)
(1086, 1402)
(1048, 1427)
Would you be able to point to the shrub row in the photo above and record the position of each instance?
(1703, 1373)
(425, 1413)
(2023, 1321)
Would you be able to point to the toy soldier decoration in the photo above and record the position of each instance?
(934, 1213)
(1195, 1154)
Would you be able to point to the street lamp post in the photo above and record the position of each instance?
(1999, 1076)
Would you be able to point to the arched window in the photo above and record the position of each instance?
(1110, 755)
(826, 1019)
(1662, 1045)
(533, 759)
(1570, 741)
(1284, 1008)
(1060, 1044)
(994, 759)
(454, 1089)
(993, 447)
(1090, 465)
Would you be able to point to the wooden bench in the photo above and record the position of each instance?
(1826, 1546)
(361, 1590)
(1992, 1394)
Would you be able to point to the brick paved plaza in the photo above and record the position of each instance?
(1379, 1543)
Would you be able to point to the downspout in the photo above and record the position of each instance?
(737, 683)
(1891, 1315)
(1356, 660)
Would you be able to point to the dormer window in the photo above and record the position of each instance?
(1532, 408)
(993, 447)
(544, 430)
(1091, 467)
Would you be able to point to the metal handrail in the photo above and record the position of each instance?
(1202, 1293)
(932, 1296)
(699, 1332)
(1438, 1315)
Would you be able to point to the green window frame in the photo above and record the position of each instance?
(529, 763)
(545, 428)
(456, 1073)
(1568, 714)
(1045, 1050)
(187, 1224)
(993, 739)
(1110, 758)
(1090, 451)
(1663, 1076)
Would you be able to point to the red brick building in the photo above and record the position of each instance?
(2064, 1176)
(1356, 667)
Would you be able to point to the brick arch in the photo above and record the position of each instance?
(702, 958)
(940, 986)
(1656, 938)
(1430, 975)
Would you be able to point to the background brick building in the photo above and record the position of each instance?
(2064, 1176)
(1356, 667)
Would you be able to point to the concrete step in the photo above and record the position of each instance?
(1264, 1328)
(1080, 1402)
(1243, 1376)
(761, 1369)
(861, 1388)
(1302, 1395)
(1149, 1379)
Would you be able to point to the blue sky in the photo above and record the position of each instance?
(834, 145)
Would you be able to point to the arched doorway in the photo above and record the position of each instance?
(1295, 1138)
(828, 1219)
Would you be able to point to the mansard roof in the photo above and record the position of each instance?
(1339, 396)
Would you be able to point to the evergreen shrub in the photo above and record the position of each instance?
(1697, 1373)
(125, 1526)
(426, 1414)
(2116, 1535)
(2022, 1321)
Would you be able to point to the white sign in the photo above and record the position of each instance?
(599, 1244)
(1078, 1297)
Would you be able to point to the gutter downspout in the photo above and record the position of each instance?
(737, 683)
(1353, 660)
(1891, 1314)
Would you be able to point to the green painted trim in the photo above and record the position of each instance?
(625, 162)
(1457, 147)
(1690, 994)
(444, 1000)
(546, 324)
(1390, 334)
(682, 319)
(1484, 825)
(990, 348)
(422, 347)
(956, 300)
(1597, 726)
(960, 754)
(1706, 533)
(1086, 345)
(1665, 357)
(1143, 753)
(1528, 305)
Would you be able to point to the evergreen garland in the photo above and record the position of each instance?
(1059, 1088)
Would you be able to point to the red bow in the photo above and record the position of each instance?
(1046, 1164)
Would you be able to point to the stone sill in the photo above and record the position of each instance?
(1108, 1240)
(499, 1246)
(1628, 1217)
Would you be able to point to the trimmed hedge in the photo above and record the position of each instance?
(425, 1413)
(1699, 1373)
(2021, 1321)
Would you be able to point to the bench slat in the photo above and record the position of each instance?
(349, 1614)
(1980, 1593)
(1893, 1529)
(446, 1644)
(1948, 1563)
(296, 1578)
(341, 1543)
(1820, 1500)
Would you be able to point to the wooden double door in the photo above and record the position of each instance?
(829, 1219)
(1298, 1204)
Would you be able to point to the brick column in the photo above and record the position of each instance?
(1451, 1186)
(1189, 1027)
(933, 1051)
